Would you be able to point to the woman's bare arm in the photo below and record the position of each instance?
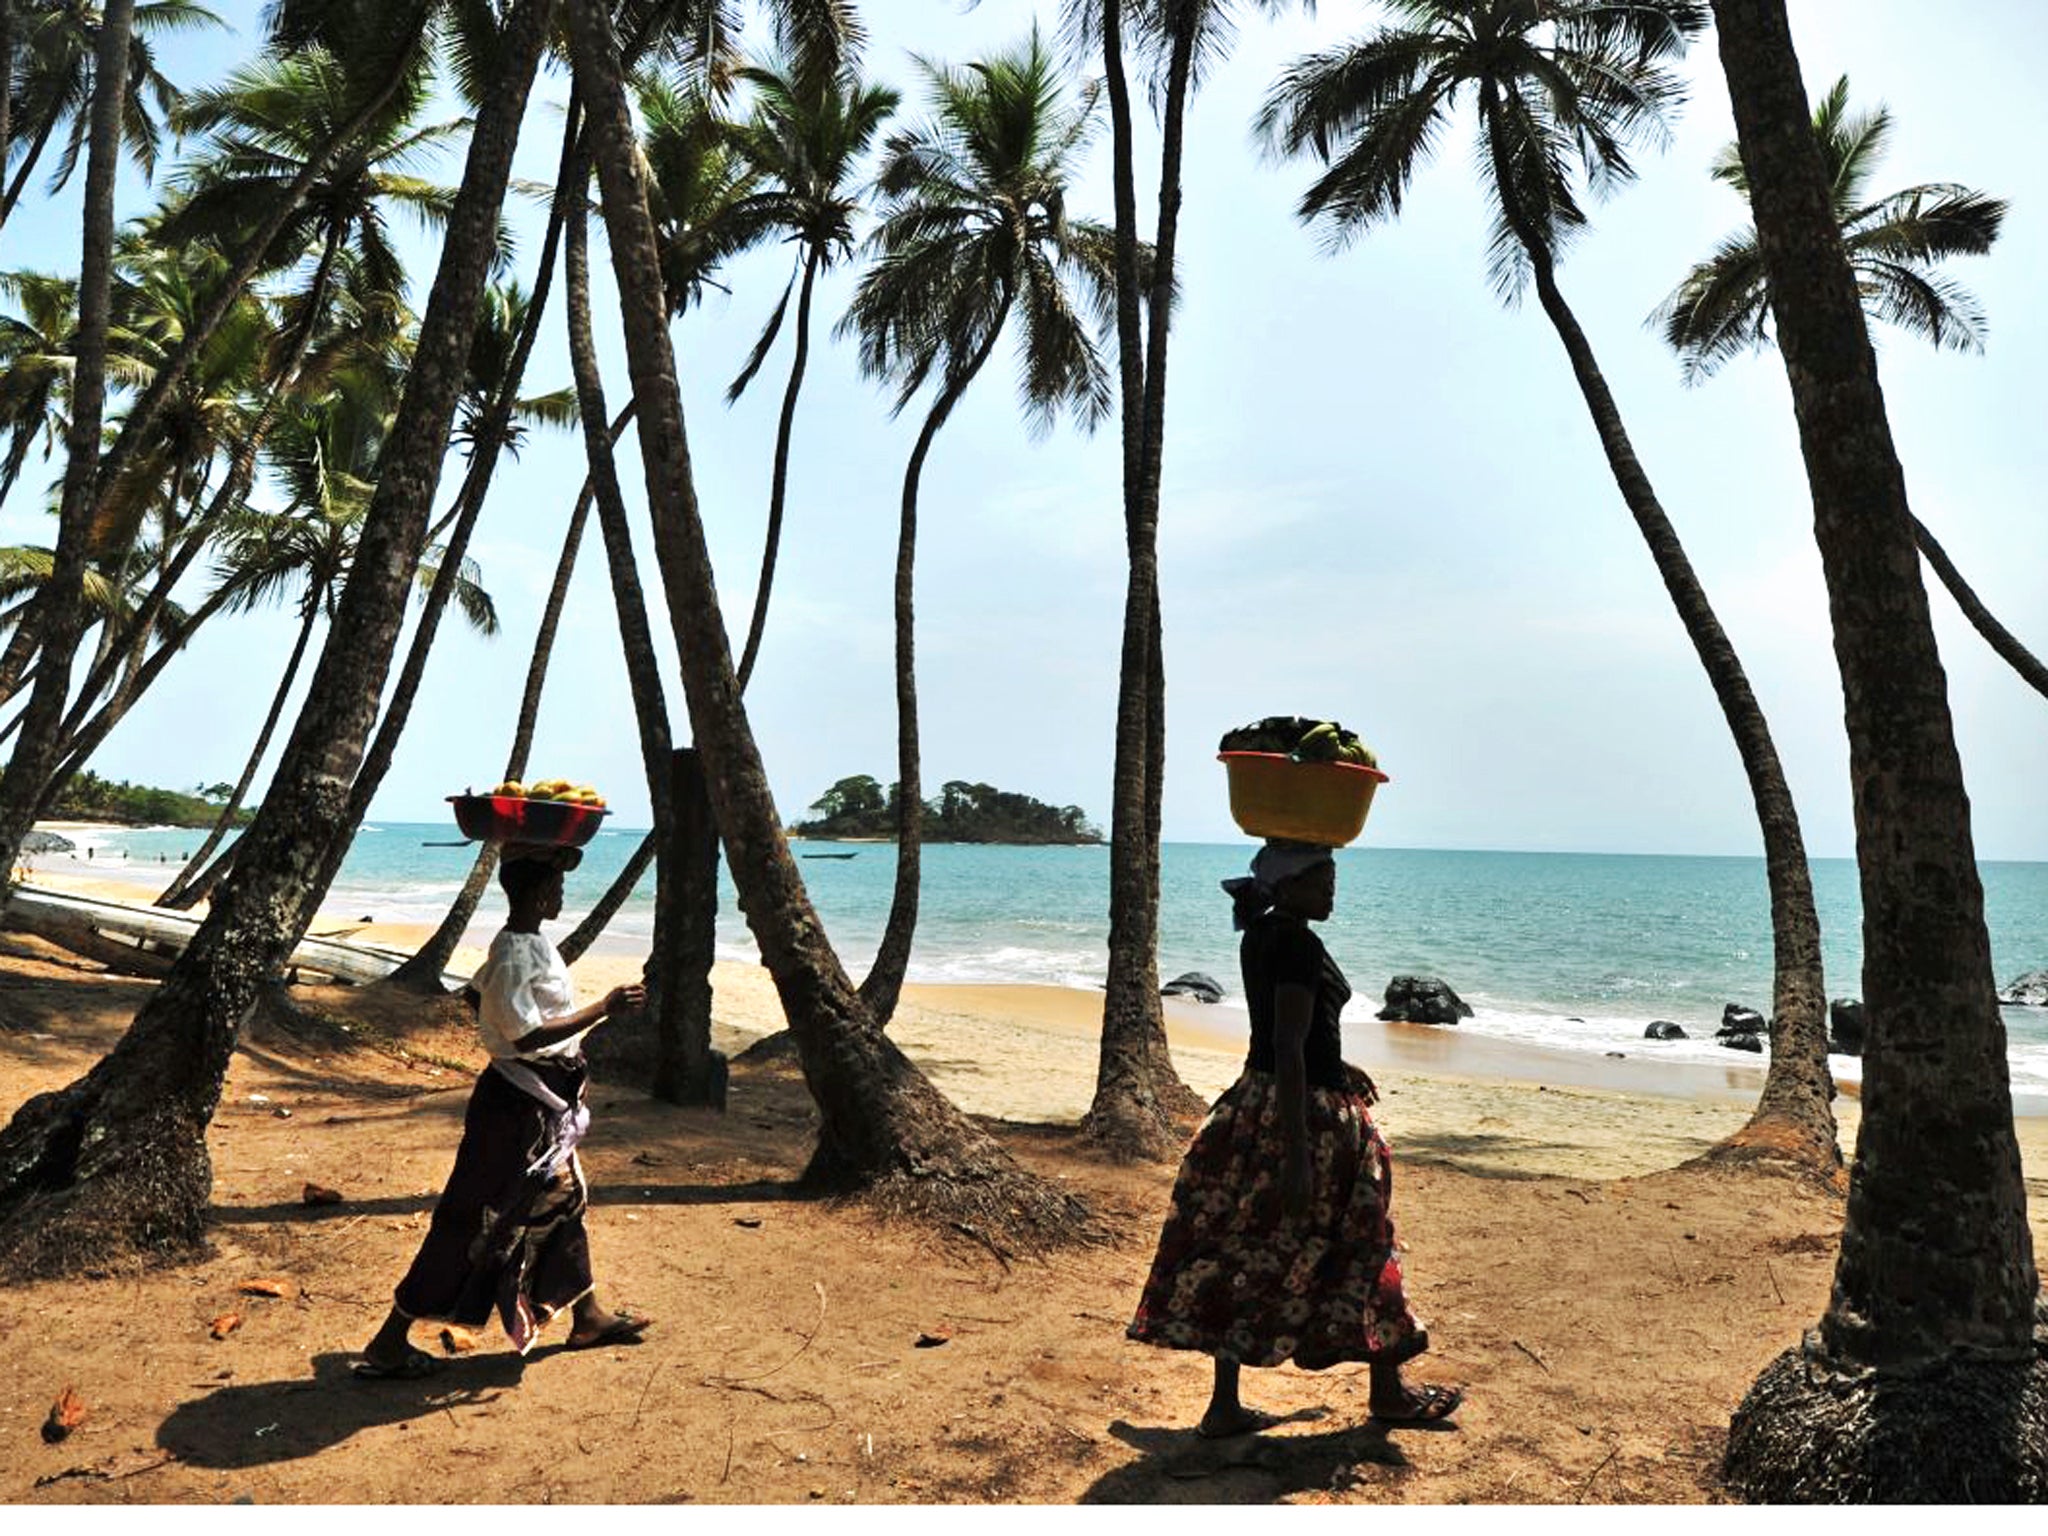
(1293, 1012)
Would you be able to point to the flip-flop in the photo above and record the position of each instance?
(624, 1328)
(413, 1365)
(1425, 1405)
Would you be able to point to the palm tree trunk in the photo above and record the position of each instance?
(884, 981)
(36, 146)
(1140, 1104)
(79, 748)
(628, 879)
(1924, 1381)
(882, 1126)
(1996, 635)
(116, 1164)
(174, 894)
(63, 611)
(423, 971)
(680, 1037)
(784, 426)
(1794, 1116)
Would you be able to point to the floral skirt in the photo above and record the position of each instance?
(1235, 1278)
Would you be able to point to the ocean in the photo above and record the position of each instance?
(1574, 951)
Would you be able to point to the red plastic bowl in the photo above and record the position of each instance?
(514, 819)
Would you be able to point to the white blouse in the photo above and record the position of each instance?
(524, 985)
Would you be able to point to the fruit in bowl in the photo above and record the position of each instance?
(553, 812)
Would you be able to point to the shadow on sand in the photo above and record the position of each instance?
(1178, 1466)
(272, 1421)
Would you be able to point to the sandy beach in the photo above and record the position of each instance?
(1605, 1304)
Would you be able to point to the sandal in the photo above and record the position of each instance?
(1424, 1405)
(624, 1328)
(411, 1366)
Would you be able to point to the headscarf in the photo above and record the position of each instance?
(1279, 861)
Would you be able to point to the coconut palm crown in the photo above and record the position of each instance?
(1894, 244)
(1560, 85)
(974, 224)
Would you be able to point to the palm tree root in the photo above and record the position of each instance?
(92, 1182)
(1782, 1144)
(1964, 1432)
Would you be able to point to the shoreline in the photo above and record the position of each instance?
(1212, 1039)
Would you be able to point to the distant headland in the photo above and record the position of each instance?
(860, 808)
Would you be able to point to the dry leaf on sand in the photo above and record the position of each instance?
(66, 1414)
(225, 1324)
(457, 1341)
(320, 1194)
(269, 1285)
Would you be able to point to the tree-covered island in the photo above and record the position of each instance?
(961, 813)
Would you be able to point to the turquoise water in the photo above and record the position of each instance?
(1577, 951)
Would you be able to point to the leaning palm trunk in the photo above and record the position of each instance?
(423, 971)
(785, 426)
(115, 1164)
(2002, 640)
(682, 1043)
(884, 981)
(882, 1126)
(1794, 1116)
(174, 894)
(1924, 1381)
(1140, 1103)
(63, 609)
(615, 896)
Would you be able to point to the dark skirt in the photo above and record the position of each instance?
(505, 1238)
(1234, 1278)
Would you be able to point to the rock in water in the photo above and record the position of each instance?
(1741, 1042)
(2030, 990)
(1663, 1029)
(1738, 1020)
(1199, 985)
(1423, 1000)
(46, 842)
(1845, 1027)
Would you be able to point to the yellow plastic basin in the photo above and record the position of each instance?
(1274, 796)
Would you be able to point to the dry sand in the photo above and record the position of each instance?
(1606, 1307)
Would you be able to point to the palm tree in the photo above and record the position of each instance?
(1895, 245)
(1924, 1381)
(1140, 1104)
(883, 1127)
(974, 228)
(115, 1163)
(59, 609)
(35, 365)
(806, 137)
(54, 88)
(1578, 82)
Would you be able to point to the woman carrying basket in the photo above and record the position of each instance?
(1278, 1244)
(507, 1234)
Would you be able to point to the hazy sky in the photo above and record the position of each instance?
(1383, 503)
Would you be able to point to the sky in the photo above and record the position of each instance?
(1383, 502)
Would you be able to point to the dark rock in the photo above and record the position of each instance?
(1203, 988)
(1423, 1000)
(1738, 1020)
(1663, 1029)
(1845, 1027)
(45, 842)
(2030, 990)
(1741, 1042)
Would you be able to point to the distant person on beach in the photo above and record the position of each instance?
(1278, 1244)
(507, 1233)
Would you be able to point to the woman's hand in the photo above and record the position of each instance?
(624, 999)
